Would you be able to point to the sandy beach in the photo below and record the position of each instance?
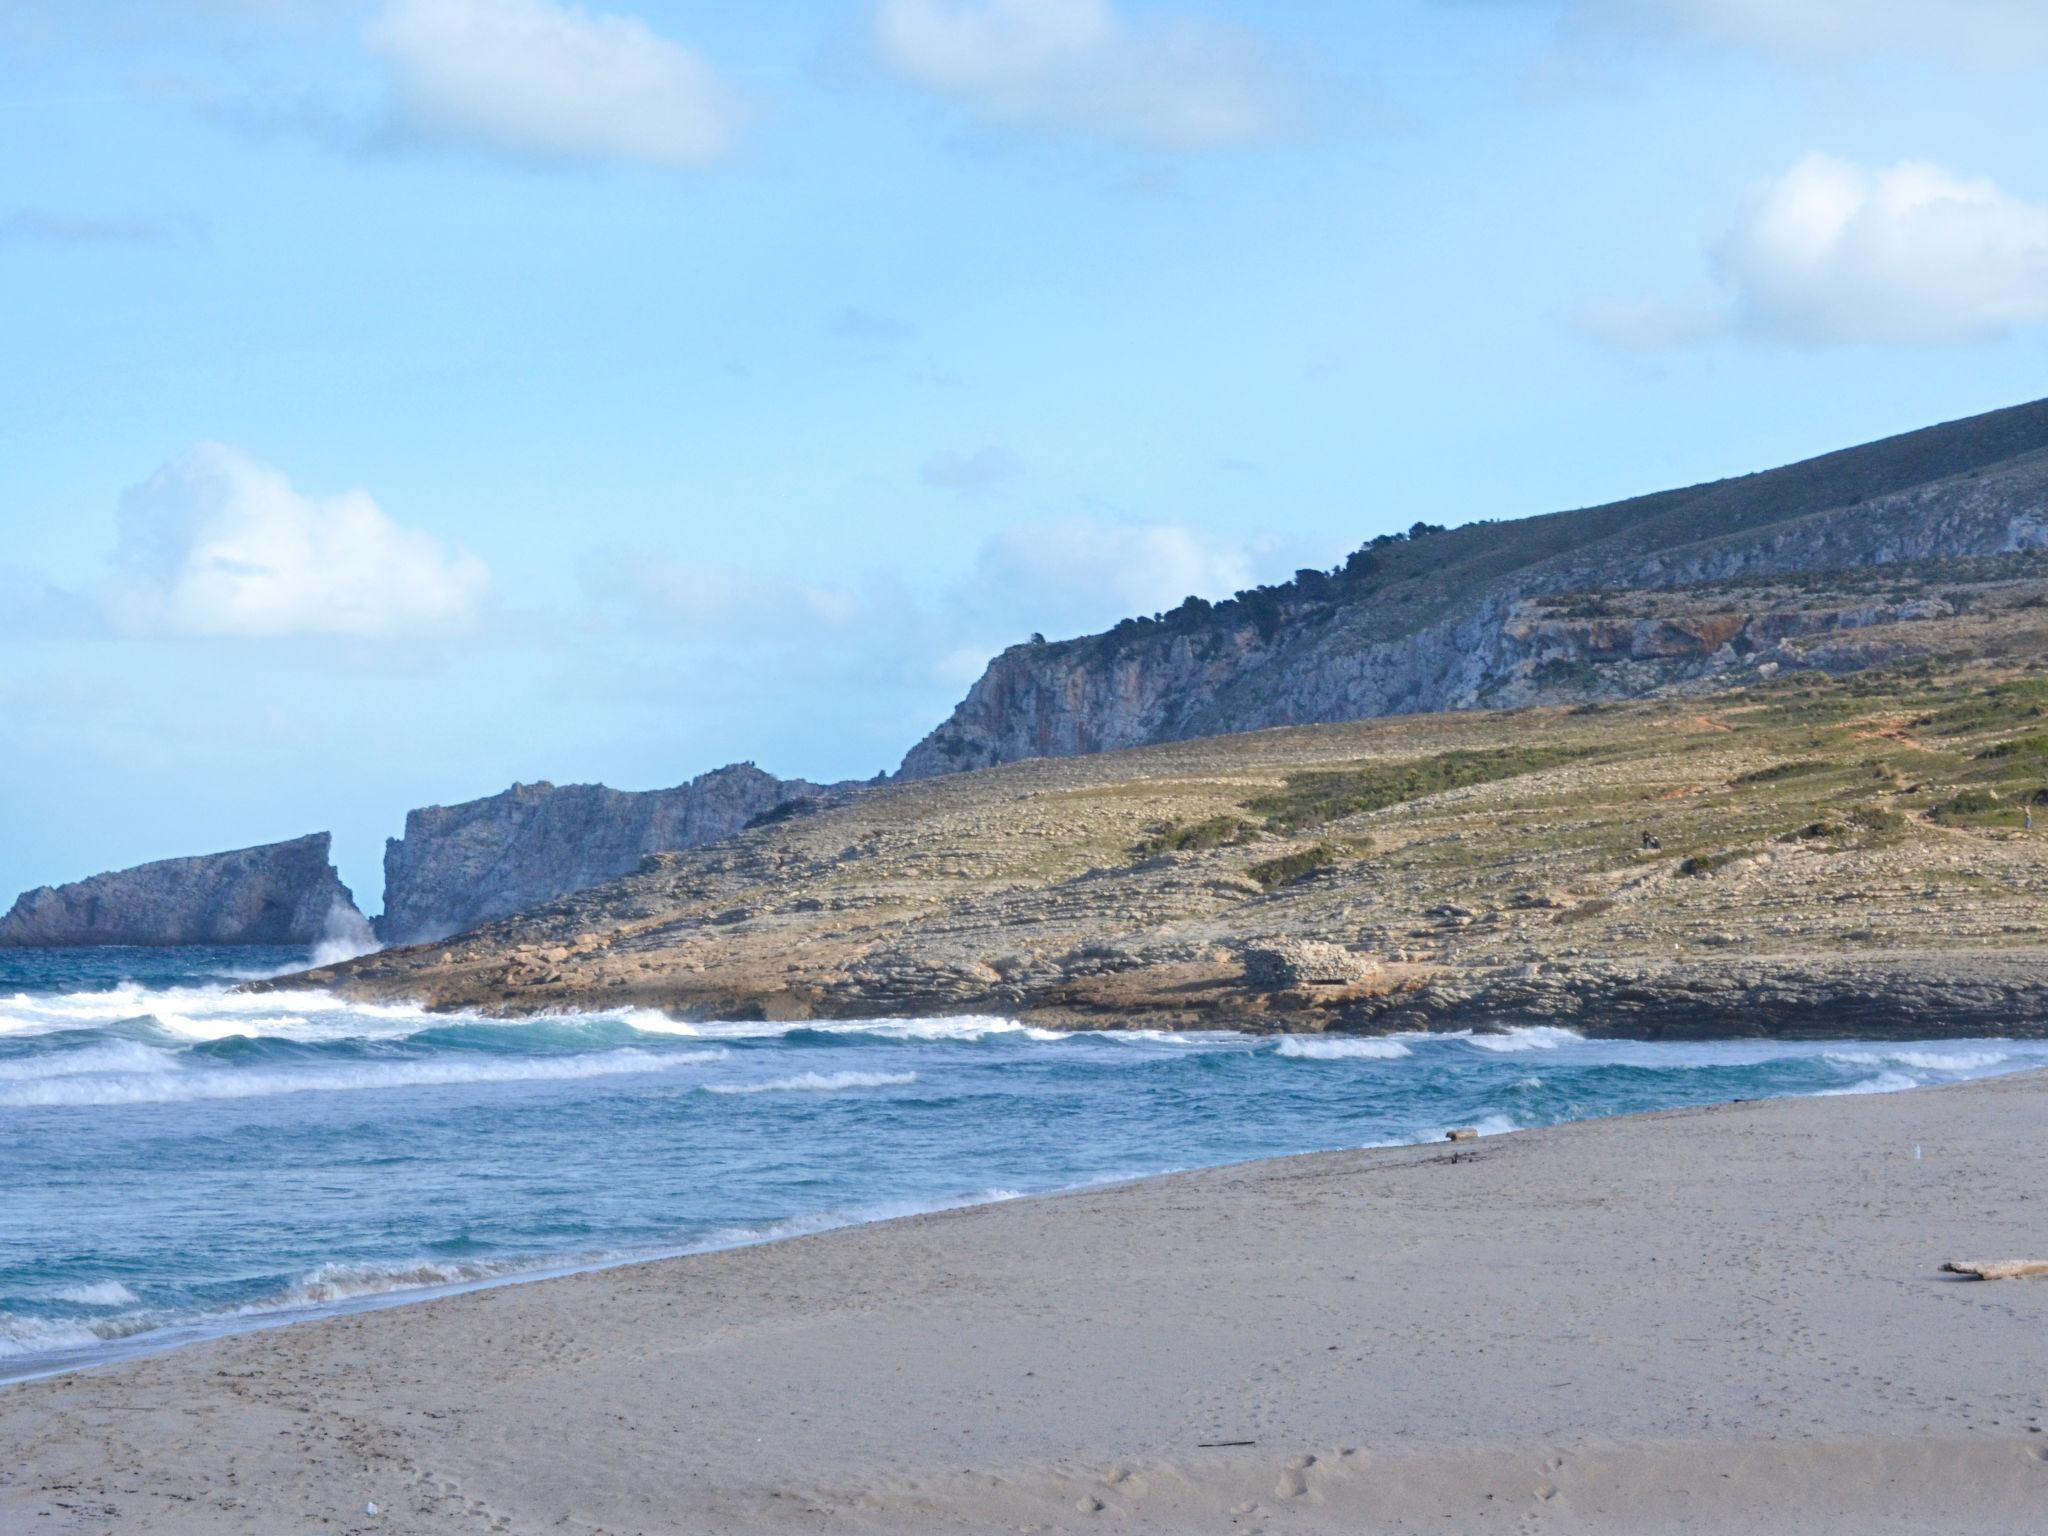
(1731, 1319)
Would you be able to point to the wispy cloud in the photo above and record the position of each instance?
(852, 323)
(535, 80)
(1989, 33)
(1164, 81)
(972, 474)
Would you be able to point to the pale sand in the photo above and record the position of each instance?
(1718, 1320)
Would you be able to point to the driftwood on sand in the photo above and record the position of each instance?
(1997, 1269)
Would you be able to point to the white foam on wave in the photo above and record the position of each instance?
(177, 1084)
(1884, 1082)
(968, 1028)
(1950, 1061)
(1326, 1048)
(1527, 1037)
(103, 1293)
(109, 1056)
(652, 1021)
(1485, 1125)
(328, 1283)
(212, 1013)
(1212, 1038)
(819, 1082)
(33, 1335)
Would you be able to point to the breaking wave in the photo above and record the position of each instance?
(819, 1082)
(183, 1085)
(1340, 1048)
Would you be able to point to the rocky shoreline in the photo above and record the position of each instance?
(1823, 857)
(1905, 996)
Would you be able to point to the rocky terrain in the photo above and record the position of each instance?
(1573, 606)
(280, 893)
(1772, 850)
(461, 865)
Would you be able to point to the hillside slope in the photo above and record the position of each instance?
(1806, 854)
(1518, 613)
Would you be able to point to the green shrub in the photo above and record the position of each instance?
(1178, 837)
(1777, 773)
(2019, 746)
(1312, 798)
(1290, 867)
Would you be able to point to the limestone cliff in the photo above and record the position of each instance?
(1494, 614)
(280, 893)
(461, 865)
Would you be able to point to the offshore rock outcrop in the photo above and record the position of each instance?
(461, 865)
(1483, 615)
(280, 893)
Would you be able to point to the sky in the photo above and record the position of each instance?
(400, 398)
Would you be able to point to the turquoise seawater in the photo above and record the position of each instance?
(178, 1159)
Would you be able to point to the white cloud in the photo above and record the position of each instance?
(536, 80)
(1833, 253)
(1167, 82)
(970, 474)
(216, 543)
(1082, 573)
(1996, 33)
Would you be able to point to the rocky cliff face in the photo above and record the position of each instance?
(1478, 616)
(280, 893)
(461, 865)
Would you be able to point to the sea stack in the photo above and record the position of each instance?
(278, 893)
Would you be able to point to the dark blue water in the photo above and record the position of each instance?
(178, 1158)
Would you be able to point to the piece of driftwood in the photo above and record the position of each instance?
(1997, 1269)
(1462, 1133)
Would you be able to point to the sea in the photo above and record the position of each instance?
(181, 1159)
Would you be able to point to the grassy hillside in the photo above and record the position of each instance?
(1807, 822)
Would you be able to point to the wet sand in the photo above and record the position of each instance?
(1730, 1320)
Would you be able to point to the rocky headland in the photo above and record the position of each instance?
(1802, 854)
(280, 893)
(461, 865)
(1601, 603)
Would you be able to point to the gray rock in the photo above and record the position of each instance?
(461, 865)
(280, 893)
(1285, 963)
(1516, 613)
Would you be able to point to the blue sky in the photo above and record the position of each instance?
(407, 396)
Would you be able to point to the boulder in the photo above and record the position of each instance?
(1281, 964)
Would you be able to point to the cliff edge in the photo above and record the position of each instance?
(278, 893)
(461, 865)
(1509, 614)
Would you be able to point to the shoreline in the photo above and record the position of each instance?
(1737, 1294)
(535, 1268)
(1893, 995)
